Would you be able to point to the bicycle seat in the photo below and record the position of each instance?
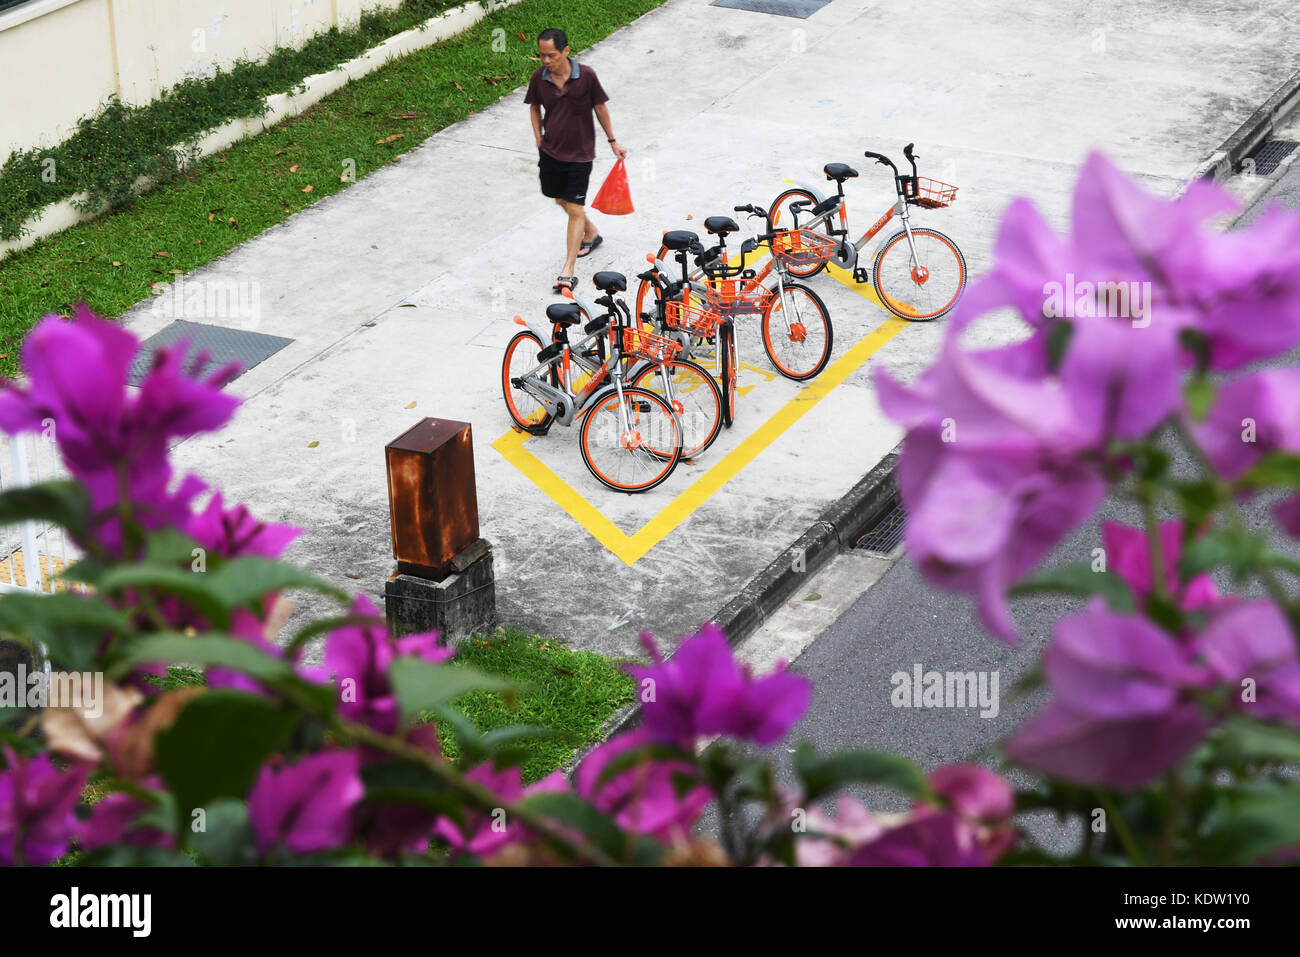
(680, 239)
(610, 281)
(721, 225)
(839, 171)
(565, 313)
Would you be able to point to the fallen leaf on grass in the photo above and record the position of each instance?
(116, 262)
(278, 153)
(198, 242)
(459, 87)
(389, 139)
(522, 37)
(404, 116)
(306, 189)
(164, 255)
(178, 272)
(211, 216)
(231, 220)
(293, 168)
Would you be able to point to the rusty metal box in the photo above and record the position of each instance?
(432, 501)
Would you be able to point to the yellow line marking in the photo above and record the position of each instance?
(631, 548)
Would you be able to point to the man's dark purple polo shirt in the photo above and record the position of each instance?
(568, 131)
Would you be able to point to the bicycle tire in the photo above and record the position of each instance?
(703, 423)
(782, 218)
(727, 367)
(891, 300)
(798, 334)
(526, 411)
(645, 299)
(668, 445)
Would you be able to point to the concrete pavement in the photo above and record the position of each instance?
(398, 292)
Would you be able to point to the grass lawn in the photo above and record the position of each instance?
(113, 262)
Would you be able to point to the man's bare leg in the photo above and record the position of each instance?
(578, 223)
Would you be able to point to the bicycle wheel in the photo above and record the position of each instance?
(525, 409)
(696, 400)
(797, 333)
(633, 459)
(782, 218)
(645, 295)
(925, 289)
(727, 353)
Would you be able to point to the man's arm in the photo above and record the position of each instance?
(602, 114)
(535, 114)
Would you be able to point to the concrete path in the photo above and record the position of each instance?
(398, 292)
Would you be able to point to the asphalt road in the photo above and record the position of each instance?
(902, 622)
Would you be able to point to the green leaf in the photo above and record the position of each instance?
(203, 650)
(1198, 344)
(1078, 579)
(1274, 470)
(499, 738)
(216, 746)
(63, 503)
(127, 855)
(194, 588)
(171, 547)
(1199, 499)
(1199, 396)
(240, 583)
(1254, 827)
(421, 685)
(651, 751)
(1150, 462)
(1239, 551)
(71, 627)
(821, 775)
(227, 839)
(1164, 613)
(600, 830)
(1241, 739)
(1058, 340)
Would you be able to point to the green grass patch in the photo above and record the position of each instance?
(116, 261)
(572, 692)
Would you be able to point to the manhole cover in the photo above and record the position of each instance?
(223, 345)
(883, 537)
(802, 9)
(1267, 158)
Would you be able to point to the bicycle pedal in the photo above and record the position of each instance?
(861, 275)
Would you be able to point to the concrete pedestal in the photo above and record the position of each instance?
(463, 602)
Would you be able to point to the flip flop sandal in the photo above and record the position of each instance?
(585, 248)
(565, 282)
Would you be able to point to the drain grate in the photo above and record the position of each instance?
(885, 535)
(800, 9)
(223, 344)
(1269, 156)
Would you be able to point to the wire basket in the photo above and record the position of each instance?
(647, 345)
(726, 298)
(803, 247)
(696, 320)
(933, 194)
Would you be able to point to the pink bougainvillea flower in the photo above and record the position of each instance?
(1251, 648)
(927, 838)
(306, 806)
(659, 798)
(1122, 711)
(704, 690)
(358, 657)
(1252, 416)
(113, 821)
(234, 532)
(852, 826)
(1128, 555)
(984, 803)
(77, 376)
(485, 834)
(37, 808)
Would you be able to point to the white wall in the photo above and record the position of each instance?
(61, 59)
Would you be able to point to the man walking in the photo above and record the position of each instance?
(562, 95)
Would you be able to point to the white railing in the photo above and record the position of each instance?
(31, 553)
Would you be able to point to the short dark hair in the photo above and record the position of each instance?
(556, 36)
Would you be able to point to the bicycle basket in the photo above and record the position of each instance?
(647, 345)
(932, 194)
(803, 247)
(699, 322)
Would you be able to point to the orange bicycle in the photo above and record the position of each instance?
(918, 272)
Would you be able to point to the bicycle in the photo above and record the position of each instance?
(795, 324)
(924, 287)
(629, 437)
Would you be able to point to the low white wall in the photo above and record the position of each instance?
(63, 58)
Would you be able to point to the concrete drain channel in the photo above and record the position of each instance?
(885, 536)
(221, 344)
(1269, 156)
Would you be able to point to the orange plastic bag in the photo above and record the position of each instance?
(614, 198)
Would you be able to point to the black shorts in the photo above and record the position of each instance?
(560, 180)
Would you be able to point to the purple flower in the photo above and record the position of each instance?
(1252, 416)
(1128, 555)
(659, 798)
(113, 821)
(108, 438)
(359, 657)
(983, 802)
(1251, 648)
(37, 808)
(1122, 711)
(234, 532)
(928, 838)
(703, 690)
(852, 826)
(485, 834)
(306, 806)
